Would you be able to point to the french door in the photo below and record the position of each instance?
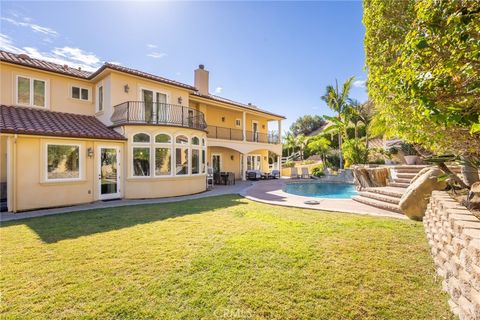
(254, 162)
(216, 163)
(109, 172)
(155, 107)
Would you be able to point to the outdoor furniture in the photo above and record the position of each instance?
(209, 178)
(231, 178)
(305, 173)
(294, 173)
(275, 174)
(253, 174)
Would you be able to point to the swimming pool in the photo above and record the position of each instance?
(321, 190)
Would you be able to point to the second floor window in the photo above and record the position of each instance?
(99, 98)
(80, 93)
(31, 92)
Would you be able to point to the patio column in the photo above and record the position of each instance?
(244, 123)
(244, 166)
(280, 164)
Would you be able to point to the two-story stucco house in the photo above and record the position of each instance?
(68, 136)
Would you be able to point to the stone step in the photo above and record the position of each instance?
(377, 204)
(409, 175)
(398, 184)
(407, 170)
(379, 197)
(388, 191)
(402, 180)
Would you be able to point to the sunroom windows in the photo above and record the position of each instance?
(31, 92)
(165, 155)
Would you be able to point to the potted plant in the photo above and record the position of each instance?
(389, 155)
(409, 153)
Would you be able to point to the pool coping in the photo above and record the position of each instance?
(271, 192)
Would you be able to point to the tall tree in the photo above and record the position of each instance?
(337, 99)
(306, 124)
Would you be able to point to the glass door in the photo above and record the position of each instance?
(147, 110)
(216, 163)
(255, 131)
(162, 110)
(109, 179)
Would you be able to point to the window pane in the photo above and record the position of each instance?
(39, 93)
(100, 98)
(203, 142)
(195, 141)
(141, 137)
(181, 140)
(203, 161)
(195, 161)
(141, 162)
(63, 162)
(75, 93)
(162, 138)
(163, 161)
(23, 88)
(181, 161)
(84, 94)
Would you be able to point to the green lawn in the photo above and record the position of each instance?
(220, 257)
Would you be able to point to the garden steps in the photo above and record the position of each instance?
(379, 197)
(388, 191)
(402, 180)
(405, 175)
(377, 203)
(399, 184)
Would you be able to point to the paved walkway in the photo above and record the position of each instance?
(218, 190)
(269, 191)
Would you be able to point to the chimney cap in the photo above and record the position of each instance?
(24, 56)
(201, 66)
(65, 66)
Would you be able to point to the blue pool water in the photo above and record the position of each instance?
(321, 190)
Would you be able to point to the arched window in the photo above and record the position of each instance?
(163, 138)
(141, 138)
(195, 141)
(163, 155)
(141, 155)
(181, 139)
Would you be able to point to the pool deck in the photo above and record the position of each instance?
(271, 192)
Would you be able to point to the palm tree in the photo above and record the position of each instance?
(338, 101)
(301, 141)
(289, 143)
(354, 116)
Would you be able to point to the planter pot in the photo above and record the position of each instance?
(411, 159)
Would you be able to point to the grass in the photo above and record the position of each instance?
(214, 258)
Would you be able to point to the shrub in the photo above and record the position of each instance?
(317, 171)
(354, 152)
(289, 164)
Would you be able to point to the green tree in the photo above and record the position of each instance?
(301, 141)
(319, 145)
(306, 124)
(338, 101)
(289, 143)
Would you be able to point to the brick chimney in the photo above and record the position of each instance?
(201, 79)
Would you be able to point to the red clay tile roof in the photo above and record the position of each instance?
(238, 104)
(24, 60)
(142, 74)
(23, 120)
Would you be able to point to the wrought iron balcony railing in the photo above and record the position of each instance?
(237, 135)
(141, 112)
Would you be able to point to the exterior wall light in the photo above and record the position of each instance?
(126, 88)
(231, 157)
(90, 152)
(223, 119)
(180, 100)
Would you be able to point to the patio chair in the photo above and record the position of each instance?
(294, 173)
(275, 174)
(253, 175)
(209, 178)
(305, 173)
(231, 178)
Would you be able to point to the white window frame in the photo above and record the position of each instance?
(199, 148)
(168, 145)
(31, 98)
(80, 96)
(220, 157)
(141, 145)
(80, 161)
(189, 160)
(254, 156)
(97, 97)
(238, 123)
(154, 91)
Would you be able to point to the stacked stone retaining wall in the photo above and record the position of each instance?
(453, 233)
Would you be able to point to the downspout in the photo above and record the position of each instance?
(14, 179)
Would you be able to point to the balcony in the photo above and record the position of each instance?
(237, 135)
(155, 113)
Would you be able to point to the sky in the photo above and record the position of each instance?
(279, 56)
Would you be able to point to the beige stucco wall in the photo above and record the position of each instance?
(154, 187)
(31, 189)
(57, 94)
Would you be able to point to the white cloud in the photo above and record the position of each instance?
(35, 27)
(218, 90)
(74, 57)
(359, 83)
(151, 46)
(156, 55)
